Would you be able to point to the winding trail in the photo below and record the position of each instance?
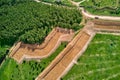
(87, 14)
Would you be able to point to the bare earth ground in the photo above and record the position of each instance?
(67, 57)
(52, 41)
(106, 26)
(64, 61)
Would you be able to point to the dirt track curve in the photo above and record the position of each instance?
(52, 41)
(86, 13)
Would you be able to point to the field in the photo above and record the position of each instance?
(102, 7)
(33, 21)
(10, 70)
(101, 60)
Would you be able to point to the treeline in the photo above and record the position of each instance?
(30, 22)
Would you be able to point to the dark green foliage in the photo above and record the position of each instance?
(11, 2)
(31, 22)
(3, 52)
(59, 2)
(33, 36)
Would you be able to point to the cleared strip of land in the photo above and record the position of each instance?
(109, 26)
(62, 63)
(67, 58)
(52, 41)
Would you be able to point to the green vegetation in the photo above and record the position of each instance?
(77, 0)
(10, 70)
(11, 2)
(59, 2)
(102, 7)
(101, 61)
(30, 21)
(3, 52)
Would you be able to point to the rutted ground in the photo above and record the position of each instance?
(98, 67)
(53, 72)
(84, 39)
(52, 41)
(111, 26)
(66, 59)
(29, 70)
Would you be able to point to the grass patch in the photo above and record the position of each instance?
(100, 61)
(102, 7)
(10, 70)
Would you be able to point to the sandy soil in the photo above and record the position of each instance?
(52, 41)
(66, 57)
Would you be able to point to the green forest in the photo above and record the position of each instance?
(30, 22)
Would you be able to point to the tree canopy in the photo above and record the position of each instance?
(30, 22)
